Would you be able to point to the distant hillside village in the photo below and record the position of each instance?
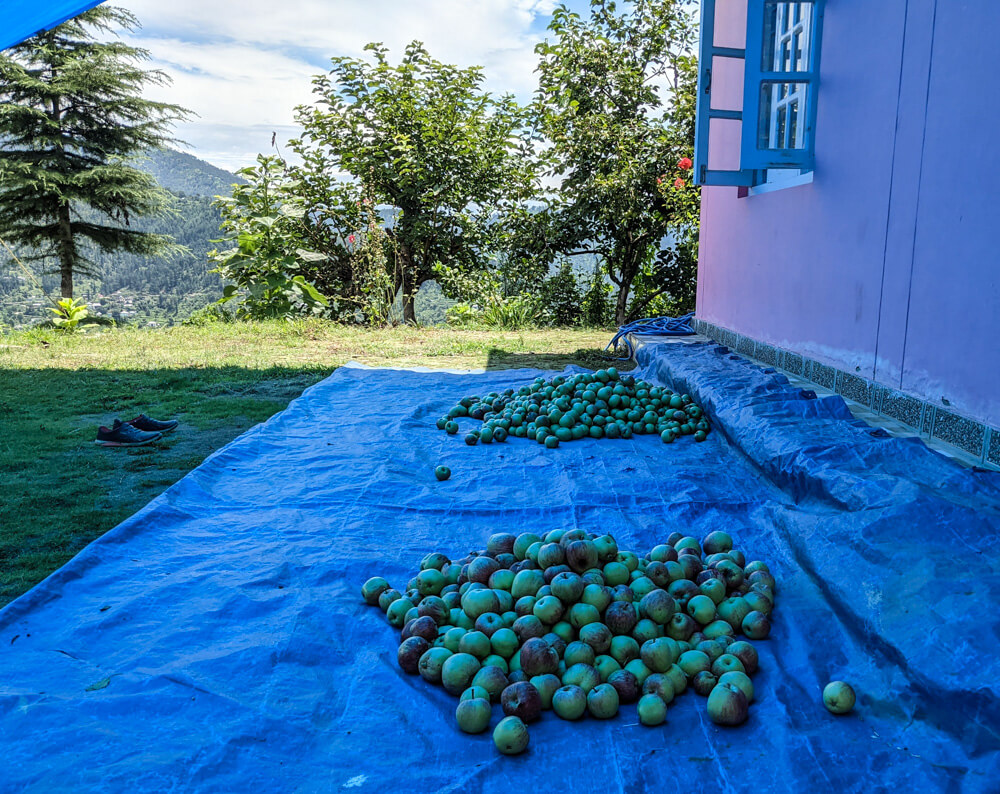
(150, 291)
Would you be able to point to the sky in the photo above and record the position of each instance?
(244, 65)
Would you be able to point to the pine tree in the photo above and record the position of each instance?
(72, 122)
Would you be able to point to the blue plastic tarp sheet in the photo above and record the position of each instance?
(20, 19)
(217, 641)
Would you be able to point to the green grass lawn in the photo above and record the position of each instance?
(58, 491)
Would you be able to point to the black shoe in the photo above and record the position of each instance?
(143, 422)
(124, 435)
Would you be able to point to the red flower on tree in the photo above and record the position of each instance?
(679, 182)
(685, 164)
(350, 239)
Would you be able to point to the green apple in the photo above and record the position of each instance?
(474, 692)
(646, 629)
(432, 663)
(479, 602)
(602, 702)
(581, 615)
(741, 680)
(493, 660)
(704, 682)
(756, 625)
(473, 716)
(511, 736)
(693, 662)
(839, 697)
(597, 636)
(639, 670)
(475, 643)
(717, 542)
(527, 583)
(372, 589)
(727, 663)
(547, 685)
(492, 679)
(579, 652)
(727, 705)
(598, 596)
(569, 702)
(581, 675)
(523, 541)
(387, 597)
(652, 710)
(568, 587)
(457, 671)
(616, 573)
(658, 654)
(746, 653)
(565, 631)
(501, 580)
(702, 609)
(660, 685)
(396, 613)
(658, 605)
(504, 642)
(605, 666)
(548, 609)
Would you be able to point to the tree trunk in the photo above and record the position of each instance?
(410, 285)
(621, 305)
(66, 250)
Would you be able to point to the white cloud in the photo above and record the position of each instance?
(243, 65)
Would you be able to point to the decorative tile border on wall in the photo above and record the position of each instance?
(928, 420)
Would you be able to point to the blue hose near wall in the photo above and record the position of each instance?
(652, 326)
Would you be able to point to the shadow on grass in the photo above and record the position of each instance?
(59, 491)
(589, 358)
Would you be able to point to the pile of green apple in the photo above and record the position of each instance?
(602, 404)
(569, 622)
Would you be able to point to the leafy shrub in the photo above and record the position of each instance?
(270, 261)
(598, 311)
(561, 297)
(210, 315)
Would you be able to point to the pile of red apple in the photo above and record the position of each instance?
(569, 622)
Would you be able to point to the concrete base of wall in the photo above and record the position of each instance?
(899, 413)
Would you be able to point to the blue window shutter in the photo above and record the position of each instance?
(777, 134)
(705, 113)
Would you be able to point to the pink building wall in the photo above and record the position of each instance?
(887, 264)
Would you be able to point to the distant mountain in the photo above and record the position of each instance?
(186, 175)
(143, 289)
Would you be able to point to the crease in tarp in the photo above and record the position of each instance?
(227, 612)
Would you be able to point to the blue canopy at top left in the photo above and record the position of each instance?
(20, 19)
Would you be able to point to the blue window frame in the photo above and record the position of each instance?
(781, 78)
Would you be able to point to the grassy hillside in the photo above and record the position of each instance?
(185, 174)
(142, 289)
(58, 491)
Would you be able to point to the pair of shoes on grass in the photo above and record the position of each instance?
(135, 433)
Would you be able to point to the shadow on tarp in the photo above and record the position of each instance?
(498, 359)
(216, 640)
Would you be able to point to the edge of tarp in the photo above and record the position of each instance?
(36, 20)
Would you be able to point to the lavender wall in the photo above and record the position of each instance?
(886, 265)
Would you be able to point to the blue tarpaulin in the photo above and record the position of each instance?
(20, 19)
(217, 641)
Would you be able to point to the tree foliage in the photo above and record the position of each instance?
(71, 117)
(424, 138)
(616, 143)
